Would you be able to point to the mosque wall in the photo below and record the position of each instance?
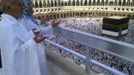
(83, 8)
(55, 3)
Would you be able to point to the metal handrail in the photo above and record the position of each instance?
(121, 49)
(115, 71)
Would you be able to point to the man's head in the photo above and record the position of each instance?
(12, 7)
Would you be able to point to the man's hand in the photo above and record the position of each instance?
(45, 19)
(55, 23)
(39, 38)
(36, 31)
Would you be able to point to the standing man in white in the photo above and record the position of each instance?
(19, 48)
(45, 27)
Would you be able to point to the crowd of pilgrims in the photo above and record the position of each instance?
(94, 26)
(89, 25)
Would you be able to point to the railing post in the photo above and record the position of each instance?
(88, 61)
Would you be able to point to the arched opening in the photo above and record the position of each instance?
(44, 3)
(69, 2)
(118, 9)
(55, 3)
(58, 16)
(65, 3)
(128, 2)
(124, 3)
(132, 10)
(85, 14)
(89, 3)
(77, 14)
(39, 17)
(94, 2)
(81, 2)
(70, 14)
(81, 14)
(106, 2)
(62, 3)
(36, 4)
(73, 3)
(67, 14)
(85, 3)
(119, 2)
(116, 3)
(98, 2)
(110, 3)
(48, 3)
(61, 15)
(59, 3)
(40, 4)
(102, 2)
(54, 16)
(64, 15)
(77, 2)
(52, 3)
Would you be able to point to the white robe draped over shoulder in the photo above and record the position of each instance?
(18, 49)
(28, 24)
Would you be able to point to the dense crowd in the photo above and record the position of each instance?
(90, 25)
(98, 55)
(94, 26)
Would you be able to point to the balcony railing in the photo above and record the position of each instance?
(117, 48)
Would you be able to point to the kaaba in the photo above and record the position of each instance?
(115, 26)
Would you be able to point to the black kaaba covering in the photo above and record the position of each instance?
(115, 24)
(116, 21)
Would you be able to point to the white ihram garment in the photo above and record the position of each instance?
(19, 51)
(47, 31)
